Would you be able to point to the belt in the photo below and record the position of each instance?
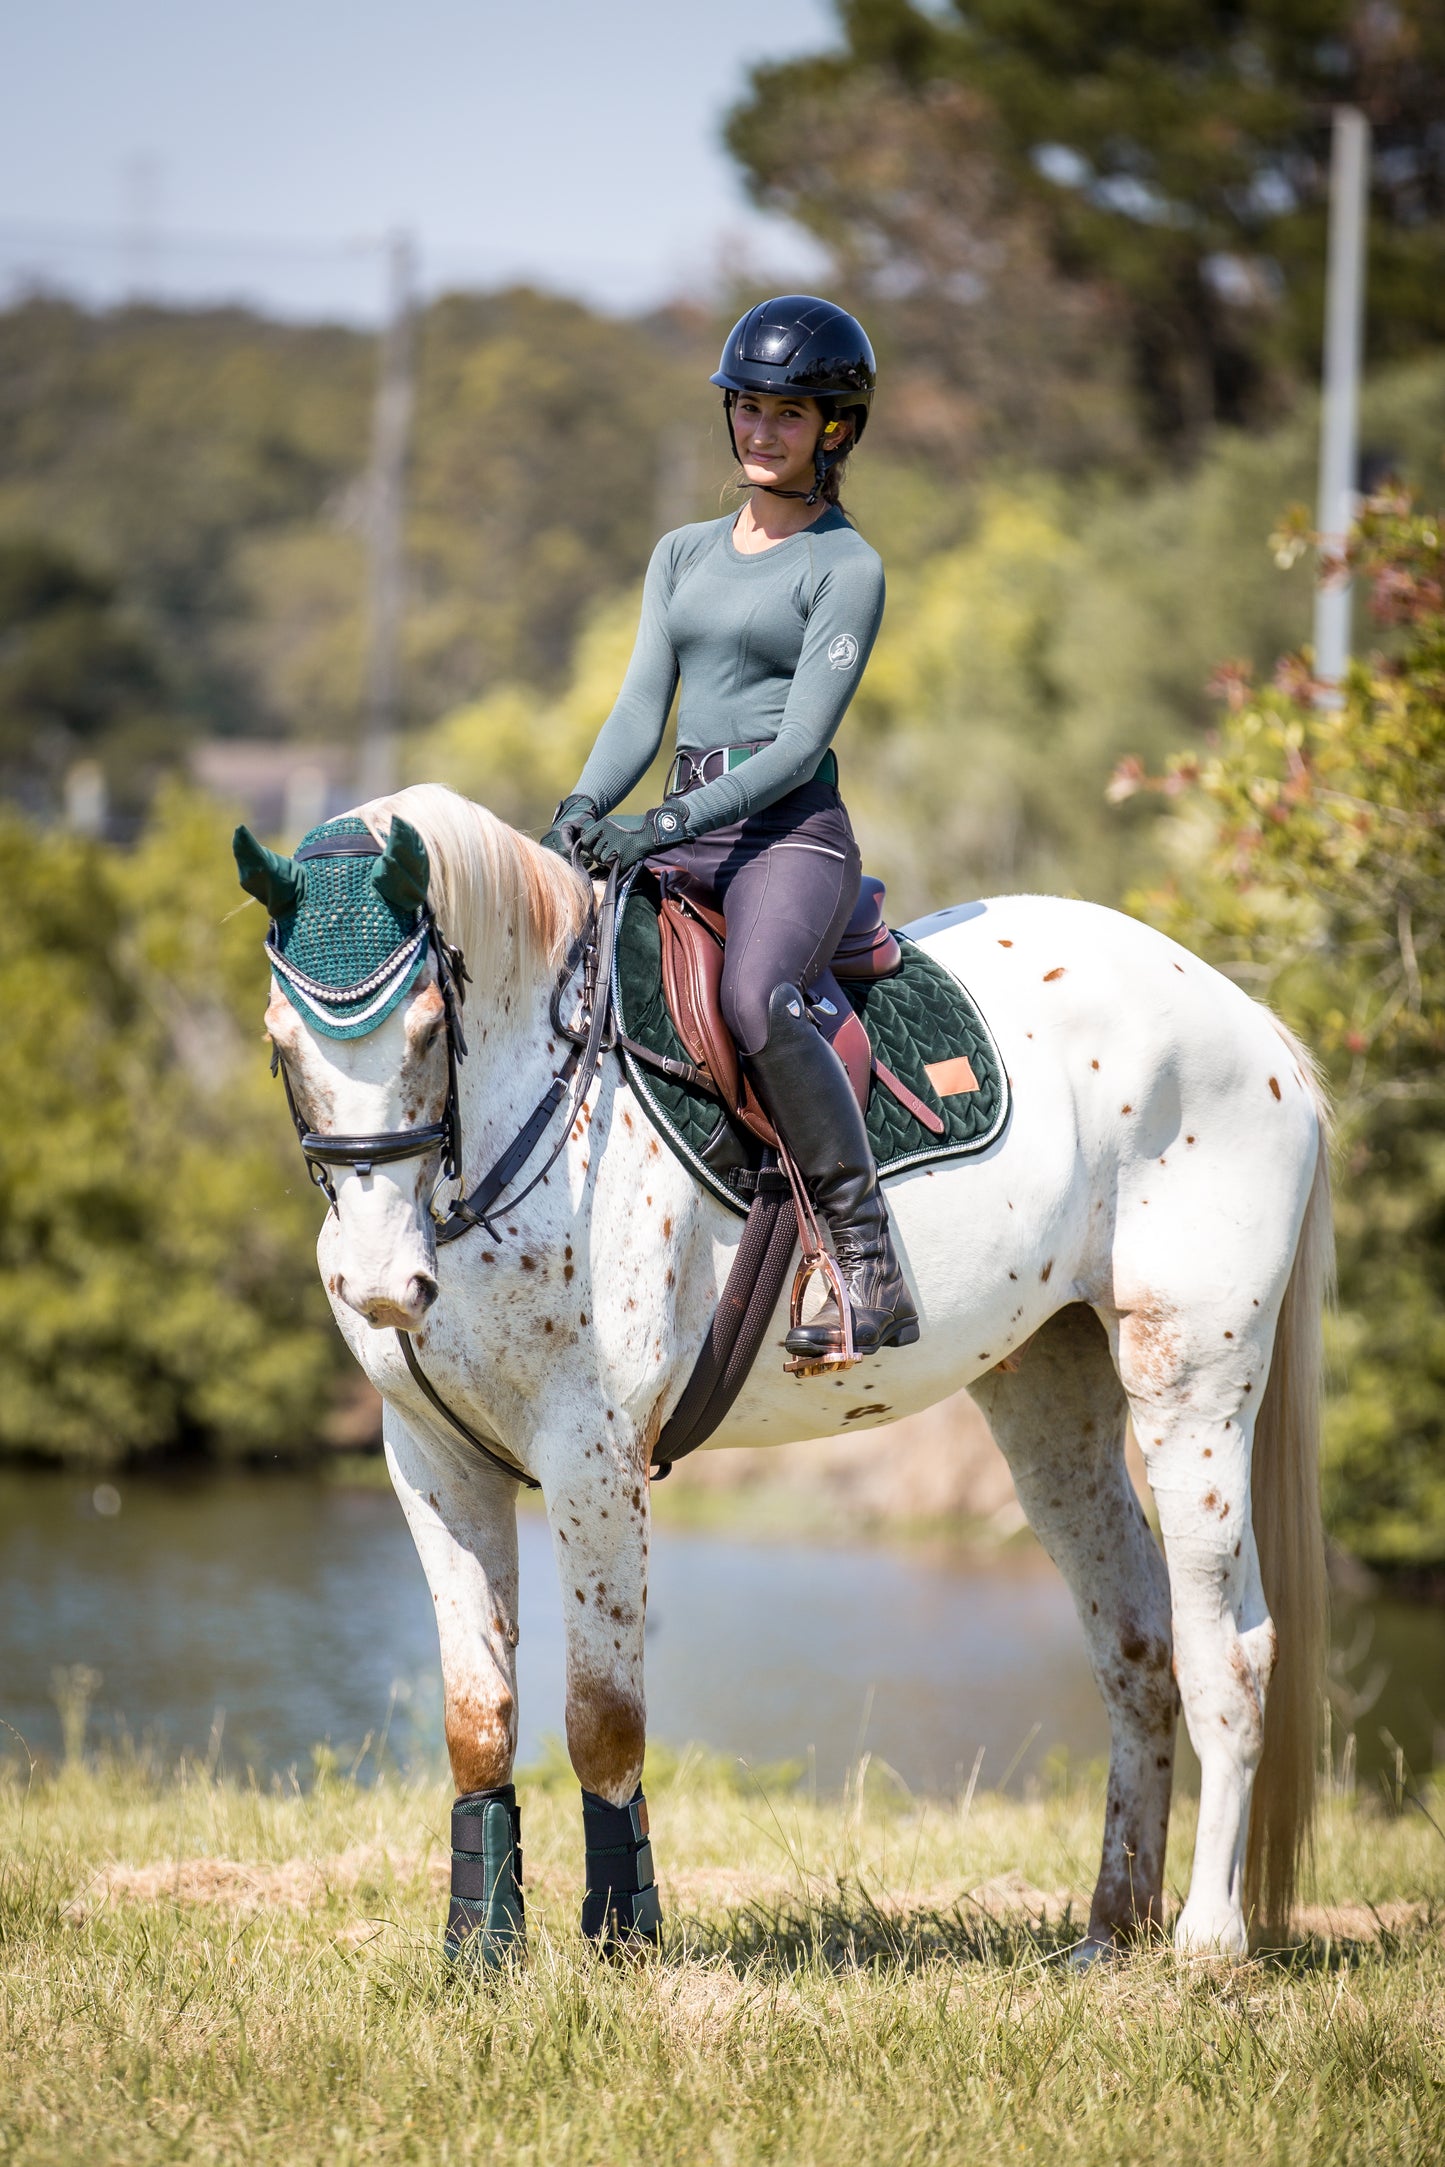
(689, 771)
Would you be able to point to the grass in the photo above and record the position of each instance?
(208, 1971)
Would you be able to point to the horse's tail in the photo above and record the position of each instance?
(1290, 1535)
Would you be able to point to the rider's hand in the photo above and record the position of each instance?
(625, 839)
(571, 817)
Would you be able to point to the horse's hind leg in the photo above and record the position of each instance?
(462, 1516)
(1197, 1447)
(1059, 1422)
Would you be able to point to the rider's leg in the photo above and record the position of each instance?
(806, 1090)
(786, 907)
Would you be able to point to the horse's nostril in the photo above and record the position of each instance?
(423, 1290)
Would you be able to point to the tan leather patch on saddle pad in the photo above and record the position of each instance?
(948, 1078)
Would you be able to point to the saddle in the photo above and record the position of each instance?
(692, 937)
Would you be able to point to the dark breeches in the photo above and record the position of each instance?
(786, 880)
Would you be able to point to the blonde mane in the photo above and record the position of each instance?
(505, 902)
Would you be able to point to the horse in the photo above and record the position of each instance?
(1148, 1239)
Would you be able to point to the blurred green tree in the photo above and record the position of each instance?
(210, 468)
(157, 1294)
(1311, 864)
(76, 679)
(1169, 158)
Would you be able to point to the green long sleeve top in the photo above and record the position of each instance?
(769, 649)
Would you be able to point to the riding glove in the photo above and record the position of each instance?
(625, 839)
(571, 817)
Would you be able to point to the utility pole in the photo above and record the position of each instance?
(1340, 407)
(386, 512)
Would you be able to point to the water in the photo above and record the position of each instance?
(296, 1608)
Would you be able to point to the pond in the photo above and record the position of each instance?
(252, 1617)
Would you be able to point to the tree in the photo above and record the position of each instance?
(1174, 152)
(157, 1287)
(209, 469)
(76, 678)
(1312, 848)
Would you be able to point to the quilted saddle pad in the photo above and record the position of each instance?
(919, 1016)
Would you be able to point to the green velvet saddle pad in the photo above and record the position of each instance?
(919, 1015)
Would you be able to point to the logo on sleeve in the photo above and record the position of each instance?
(843, 652)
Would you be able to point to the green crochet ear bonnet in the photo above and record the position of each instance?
(348, 935)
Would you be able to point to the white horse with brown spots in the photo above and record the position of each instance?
(1149, 1237)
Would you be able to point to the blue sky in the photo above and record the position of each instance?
(573, 144)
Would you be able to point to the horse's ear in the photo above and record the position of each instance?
(401, 873)
(279, 883)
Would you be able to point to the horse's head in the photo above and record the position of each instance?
(358, 1018)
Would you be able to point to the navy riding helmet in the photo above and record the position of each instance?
(811, 347)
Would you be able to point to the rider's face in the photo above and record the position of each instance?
(775, 438)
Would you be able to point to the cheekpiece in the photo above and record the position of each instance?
(347, 956)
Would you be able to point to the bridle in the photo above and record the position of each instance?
(588, 1036)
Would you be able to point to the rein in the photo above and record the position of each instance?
(592, 948)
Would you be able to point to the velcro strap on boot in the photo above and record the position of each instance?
(621, 1902)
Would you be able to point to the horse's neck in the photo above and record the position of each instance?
(513, 1052)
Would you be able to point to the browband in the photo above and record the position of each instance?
(339, 846)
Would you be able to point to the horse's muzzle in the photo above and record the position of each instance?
(385, 1314)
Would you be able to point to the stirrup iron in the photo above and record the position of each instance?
(819, 1265)
(815, 1263)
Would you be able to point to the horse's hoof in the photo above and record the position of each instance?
(1095, 1952)
(1223, 1938)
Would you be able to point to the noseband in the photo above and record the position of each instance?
(588, 1040)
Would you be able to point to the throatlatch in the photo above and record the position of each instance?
(621, 1903)
(486, 1919)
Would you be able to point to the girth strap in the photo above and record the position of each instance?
(736, 1329)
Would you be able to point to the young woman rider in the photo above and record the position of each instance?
(768, 617)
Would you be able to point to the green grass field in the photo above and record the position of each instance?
(202, 1971)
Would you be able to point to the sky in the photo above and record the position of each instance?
(262, 151)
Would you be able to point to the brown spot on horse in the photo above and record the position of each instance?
(479, 1739)
(606, 1735)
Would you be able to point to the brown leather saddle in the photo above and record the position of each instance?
(692, 958)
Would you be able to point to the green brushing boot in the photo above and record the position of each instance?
(486, 1919)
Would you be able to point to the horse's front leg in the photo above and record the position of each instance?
(462, 1515)
(594, 1477)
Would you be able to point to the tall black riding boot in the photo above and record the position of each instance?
(806, 1090)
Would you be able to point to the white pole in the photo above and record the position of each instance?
(386, 511)
(1340, 408)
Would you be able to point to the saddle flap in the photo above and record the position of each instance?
(692, 960)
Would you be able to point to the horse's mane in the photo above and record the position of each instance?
(498, 896)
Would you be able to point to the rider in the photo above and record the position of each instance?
(768, 617)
